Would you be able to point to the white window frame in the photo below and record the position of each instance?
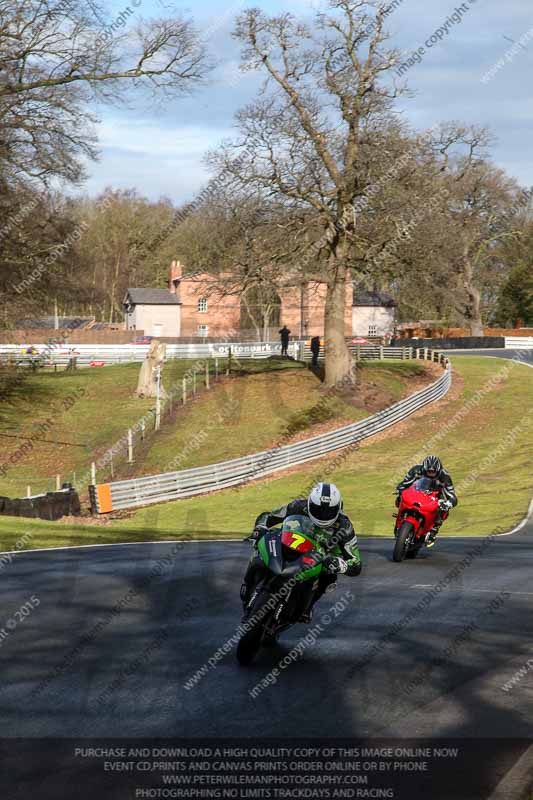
(202, 305)
(203, 330)
(372, 330)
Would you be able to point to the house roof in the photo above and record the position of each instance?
(364, 298)
(151, 297)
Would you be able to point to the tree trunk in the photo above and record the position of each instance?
(339, 362)
(155, 359)
(473, 306)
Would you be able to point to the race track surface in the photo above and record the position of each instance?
(72, 669)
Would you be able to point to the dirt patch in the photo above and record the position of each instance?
(371, 397)
(402, 428)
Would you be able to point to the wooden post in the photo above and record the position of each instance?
(207, 374)
(426, 351)
(381, 352)
(158, 399)
(93, 473)
(28, 491)
(58, 483)
(130, 446)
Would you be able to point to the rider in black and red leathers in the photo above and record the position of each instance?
(432, 468)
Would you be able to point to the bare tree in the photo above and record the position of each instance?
(302, 137)
(57, 56)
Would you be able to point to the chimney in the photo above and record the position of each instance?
(175, 276)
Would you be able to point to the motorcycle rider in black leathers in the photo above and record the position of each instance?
(432, 468)
(335, 534)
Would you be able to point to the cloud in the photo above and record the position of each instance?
(162, 153)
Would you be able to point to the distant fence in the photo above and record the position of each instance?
(456, 343)
(87, 355)
(59, 355)
(145, 491)
(519, 342)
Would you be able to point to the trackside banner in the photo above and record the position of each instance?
(149, 769)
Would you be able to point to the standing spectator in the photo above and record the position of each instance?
(284, 334)
(315, 350)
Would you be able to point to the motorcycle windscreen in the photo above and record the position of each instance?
(425, 485)
(297, 533)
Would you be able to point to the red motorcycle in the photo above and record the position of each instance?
(417, 514)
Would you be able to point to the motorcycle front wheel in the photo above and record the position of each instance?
(250, 642)
(403, 539)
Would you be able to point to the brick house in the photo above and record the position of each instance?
(195, 306)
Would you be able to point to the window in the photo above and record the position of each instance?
(372, 330)
(203, 330)
(202, 305)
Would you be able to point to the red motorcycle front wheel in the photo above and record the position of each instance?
(404, 539)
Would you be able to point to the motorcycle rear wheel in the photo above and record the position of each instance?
(402, 539)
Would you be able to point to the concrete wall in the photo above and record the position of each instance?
(365, 316)
(147, 317)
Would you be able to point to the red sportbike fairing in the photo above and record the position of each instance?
(417, 514)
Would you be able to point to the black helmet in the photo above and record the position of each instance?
(324, 504)
(432, 464)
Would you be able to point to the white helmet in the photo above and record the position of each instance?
(324, 504)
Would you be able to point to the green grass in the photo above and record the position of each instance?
(498, 499)
(86, 411)
(263, 411)
(90, 410)
(367, 478)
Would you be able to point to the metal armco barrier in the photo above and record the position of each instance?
(175, 485)
(519, 342)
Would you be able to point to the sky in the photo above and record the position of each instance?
(160, 151)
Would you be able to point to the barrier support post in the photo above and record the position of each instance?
(130, 447)
(93, 473)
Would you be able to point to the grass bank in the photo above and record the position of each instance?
(490, 433)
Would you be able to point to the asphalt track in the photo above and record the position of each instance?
(378, 668)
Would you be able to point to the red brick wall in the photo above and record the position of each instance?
(223, 313)
(41, 336)
(431, 333)
(314, 303)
